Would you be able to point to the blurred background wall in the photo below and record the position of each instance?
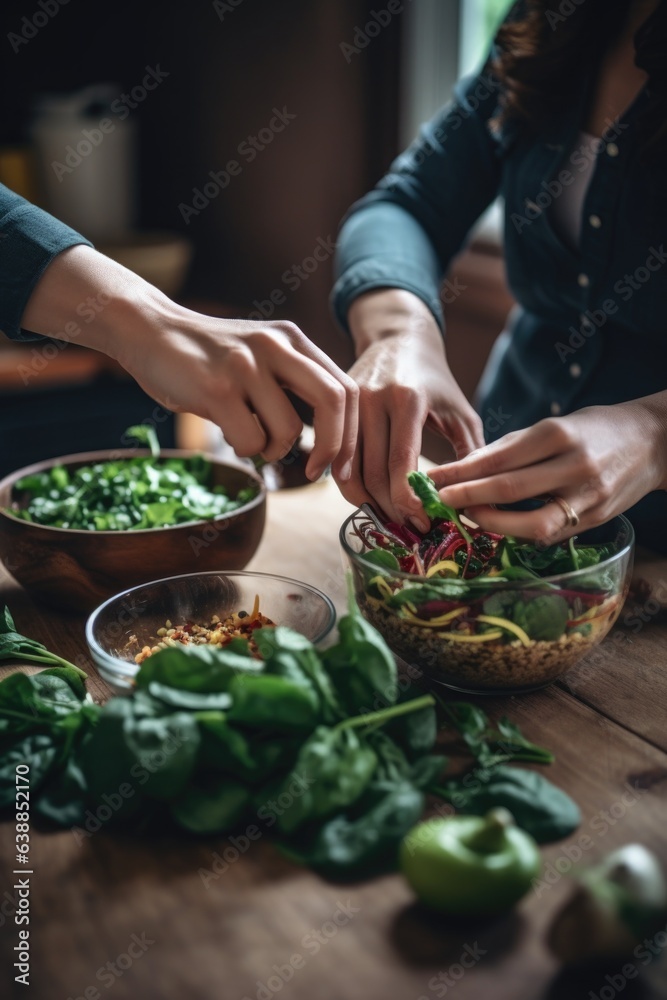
(256, 123)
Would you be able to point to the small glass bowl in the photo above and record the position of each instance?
(505, 665)
(195, 597)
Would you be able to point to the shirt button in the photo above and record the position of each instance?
(575, 370)
(595, 221)
(555, 409)
(612, 149)
(532, 206)
(583, 280)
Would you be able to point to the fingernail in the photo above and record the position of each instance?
(314, 472)
(345, 473)
(421, 526)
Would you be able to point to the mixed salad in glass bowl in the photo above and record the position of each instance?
(483, 612)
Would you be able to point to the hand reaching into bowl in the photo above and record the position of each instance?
(597, 462)
(405, 384)
(233, 372)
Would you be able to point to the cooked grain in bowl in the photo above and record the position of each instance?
(494, 666)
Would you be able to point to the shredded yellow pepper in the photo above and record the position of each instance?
(448, 564)
(460, 637)
(382, 586)
(597, 611)
(506, 624)
(436, 622)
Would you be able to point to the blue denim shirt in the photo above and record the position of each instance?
(590, 324)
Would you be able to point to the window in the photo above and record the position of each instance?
(444, 40)
(479, 21)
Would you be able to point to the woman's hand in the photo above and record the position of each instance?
(601, 460)
(405, 383)
(233, 372)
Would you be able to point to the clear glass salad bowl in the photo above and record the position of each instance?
(489, 635)
(196, 597)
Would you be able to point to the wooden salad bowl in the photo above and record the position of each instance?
(75, 570)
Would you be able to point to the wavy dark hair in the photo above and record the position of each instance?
(543, 57)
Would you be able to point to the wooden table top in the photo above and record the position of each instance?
(202, 920)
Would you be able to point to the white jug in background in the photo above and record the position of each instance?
(86, 157)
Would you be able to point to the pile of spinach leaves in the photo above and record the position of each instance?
(323, 748)
(128, 493)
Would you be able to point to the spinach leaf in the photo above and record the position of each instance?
(55, 691)
(471, 722)
(392, 764)
(110, 768)
(549, 560)
(543, 617)
(40, 751)
(14, 646)
(416, 732)
(222, 747)
(211, 804)
(500, 604)
(165, 748)
(441, 589)
(381, 557)
(290, 654)
(272, 702)
(72, 675)
(538, 806)
(510, 740)
(62, 800)
(116, 783)
(34, 702)
(516, 573)
(19, 702)
(426, 772)
(333, 767)
(225, 748)
(194, 701)
(492, 745)
(365, 840)
(361, 665)
(200, 669)
(432, 503)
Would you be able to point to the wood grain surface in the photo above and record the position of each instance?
(181, 919)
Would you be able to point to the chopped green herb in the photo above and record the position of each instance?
(128, 494)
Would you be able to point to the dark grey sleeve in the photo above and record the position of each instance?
(405, 232)
(29, 240)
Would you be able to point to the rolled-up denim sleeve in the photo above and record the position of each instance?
(405, 232)
(29, 240)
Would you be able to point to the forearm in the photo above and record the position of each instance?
(652, 412)
(393, 314)
(86, 298)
